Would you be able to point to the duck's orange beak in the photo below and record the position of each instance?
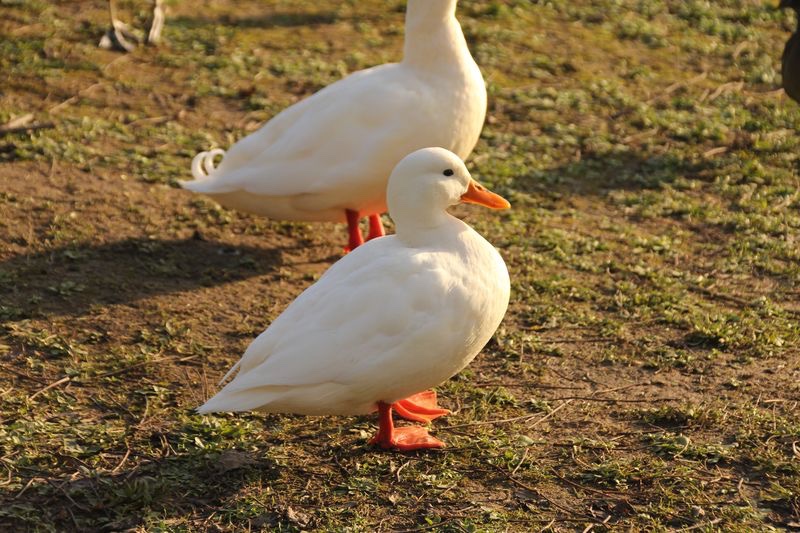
(478, 194)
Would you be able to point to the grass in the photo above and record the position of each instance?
(645, 377)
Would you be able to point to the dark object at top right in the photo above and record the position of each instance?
(791, 56)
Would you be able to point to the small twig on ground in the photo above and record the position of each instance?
(532, 385)
(591, 526)
(726, 87)
(151, 120)
(698, 526)
(397, 472)
(708, 154)
(32, 127)
(74, 98)
(623, 387)
(739, 49)
(27, 485)
(548, 526)
(733, 299)
(616, 400)
(550, 414)
(67, 379)
(114, 61)
(587, 339)
(488, 422)
(66, 494)
(142, 363)
(512, 419)
(18, 122)
(63, 104)
(639, 135)
(425, 528)
(678, 85)
(22, 124)
(20, 374)
(61, 381)
(534, 491)
(519, 464)
(122, 462)
(74, 520)
(776, 92)
(607, 494)
(8, 478)
(144, 415)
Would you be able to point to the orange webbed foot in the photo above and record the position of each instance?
(404, 438)
(407, 439)
(421, 407)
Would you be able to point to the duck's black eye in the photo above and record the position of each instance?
(448, 172)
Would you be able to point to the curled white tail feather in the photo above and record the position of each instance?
(203, 163)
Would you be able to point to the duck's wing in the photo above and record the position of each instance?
(331, 138)
(359, 322)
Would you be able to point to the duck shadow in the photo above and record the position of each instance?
(176, 486)
(271, 20)
(599, 175)
(73, 279)
(275, 19)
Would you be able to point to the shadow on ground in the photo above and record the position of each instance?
(189, 483)
(268, 20)
(599, 174)
(70, 280)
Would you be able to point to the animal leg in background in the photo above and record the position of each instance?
(356, 239)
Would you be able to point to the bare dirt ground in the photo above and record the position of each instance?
(646, 377)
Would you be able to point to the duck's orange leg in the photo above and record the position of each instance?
(356, 238)
(404, 438)
(375, 227)
(421, 407)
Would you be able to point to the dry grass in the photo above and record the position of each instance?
(645, 378)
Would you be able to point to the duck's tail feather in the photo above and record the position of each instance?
(203, 163)
(217, 403)
(231, 400)
(203, 171)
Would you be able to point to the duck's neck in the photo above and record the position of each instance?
(421, 229)
(433, 36)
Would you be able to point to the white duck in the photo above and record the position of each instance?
(396, 316)
(328, 157)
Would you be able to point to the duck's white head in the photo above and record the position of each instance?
(426, 182)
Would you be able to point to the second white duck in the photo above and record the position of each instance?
(328, 157)
(395, 317)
